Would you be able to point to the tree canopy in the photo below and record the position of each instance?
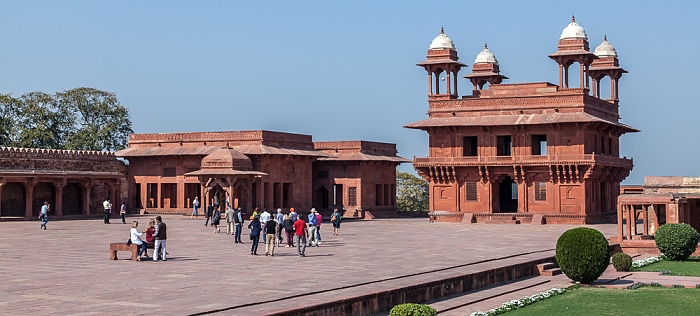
(80, 118)
(411, 192)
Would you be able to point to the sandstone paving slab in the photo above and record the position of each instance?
(66, 269)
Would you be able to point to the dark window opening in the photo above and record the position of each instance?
(539, 145)
(169, 172)
(352, 196)
(505, 146)
(470, 147)
(540, 191)
(322, 175)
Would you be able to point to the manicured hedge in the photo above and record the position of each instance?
(412, 309)
(582, 254)
(622, 261)
(676, 241)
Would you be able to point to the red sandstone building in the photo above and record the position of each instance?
(524, 152)
(262, 169)
(75, 183)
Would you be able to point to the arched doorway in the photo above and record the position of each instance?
(43, 191)
(72, 199)
(508, 196)
(13, 200)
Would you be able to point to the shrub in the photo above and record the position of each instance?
(411, 309)
(582, 254)
(622, 261)
(676, 241)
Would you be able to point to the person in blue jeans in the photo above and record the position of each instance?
(255, 229)
(44, 215)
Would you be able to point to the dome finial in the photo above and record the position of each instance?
(605, 37)
(573, 18)
(486, 46)
(442, 30)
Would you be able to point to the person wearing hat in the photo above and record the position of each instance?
(255, 229)
(313, 222)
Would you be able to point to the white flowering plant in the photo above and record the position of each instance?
(515, 304)
(645, 262)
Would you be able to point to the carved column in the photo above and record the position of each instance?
(28, 197)
(59, 185)
(86, 186)
(2, 184)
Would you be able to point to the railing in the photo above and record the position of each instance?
(526, 159)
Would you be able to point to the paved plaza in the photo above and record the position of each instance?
(66, 270)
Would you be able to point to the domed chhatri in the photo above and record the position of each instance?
(442, 41)
(486, 57)
(573, 30)
(605, 49)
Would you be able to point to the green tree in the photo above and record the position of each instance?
(100, 123)
(411, 192)
(9, 111)
(41, 124)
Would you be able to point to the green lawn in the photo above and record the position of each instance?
(599, 301)
(691, 267)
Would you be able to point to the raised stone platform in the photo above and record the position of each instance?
(62, 272)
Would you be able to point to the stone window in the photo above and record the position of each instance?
(504, 145)
(540, 191)
(322, 174)
(352, 196)
(469, 148)
(169, 172)
(539, 145)
(471, 191)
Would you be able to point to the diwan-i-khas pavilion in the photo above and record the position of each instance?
(531, 152)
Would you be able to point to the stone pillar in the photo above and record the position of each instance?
(430, 83)
(29, 194)
(181, 195)
(58, 210)
(249, 193)
(582, 79)
(2, 183)
(620, 222)
(86, 198)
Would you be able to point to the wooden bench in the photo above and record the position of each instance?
(121, 246)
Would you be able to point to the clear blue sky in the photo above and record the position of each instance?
(346, 70)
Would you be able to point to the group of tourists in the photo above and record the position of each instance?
(271, 227)
(156, 232)
(107, 207)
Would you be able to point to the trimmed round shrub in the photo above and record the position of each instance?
(622, 261)
(582, 254)
(676, 241)
(412, 309)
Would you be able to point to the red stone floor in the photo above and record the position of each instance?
(66, 270)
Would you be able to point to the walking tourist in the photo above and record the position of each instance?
(279, 218)
(44, 215)
(312, 227)
(107, 206)
(293, 214)
(335, 220)
(136, 240)
(319, 219)
(264, 218)
(210, 212)
(215, 220)
(161, 237)
(300, 235)
(270, 231)
(195, 206)
(255, 229)
(229, 220)
(288, 224)
(238, 220)
(122, 212)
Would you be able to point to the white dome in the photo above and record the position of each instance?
(486, 57)
(442, 41)
(605, 49)
(573, 30)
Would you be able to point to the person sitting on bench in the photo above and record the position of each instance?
(135, 234)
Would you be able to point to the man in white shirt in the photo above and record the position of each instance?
(264, 218)
(108, 210)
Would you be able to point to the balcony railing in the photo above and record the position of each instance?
(525, 160)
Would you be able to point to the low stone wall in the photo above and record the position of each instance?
(383, 301)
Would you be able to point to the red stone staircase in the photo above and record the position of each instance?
(548, 269)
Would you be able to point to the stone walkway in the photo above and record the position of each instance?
(66, 270)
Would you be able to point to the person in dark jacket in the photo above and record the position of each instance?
(255, 229)
(215, 220)
(288, 224)
(210, 212)
(161, 235)
(238, 220)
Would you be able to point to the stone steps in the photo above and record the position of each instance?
(503, 220)
(548, 269)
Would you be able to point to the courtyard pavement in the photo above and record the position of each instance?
(65, 270)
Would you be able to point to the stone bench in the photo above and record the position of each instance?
(121, 246)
